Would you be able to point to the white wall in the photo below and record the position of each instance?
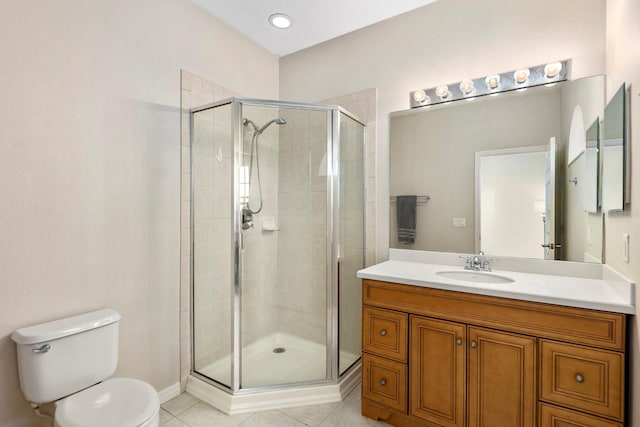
(623, 65)
(90, 175)
(443, 42)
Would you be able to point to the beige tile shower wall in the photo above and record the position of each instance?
(260, 252)
(212, 216)
(300, 296)
(364, 105)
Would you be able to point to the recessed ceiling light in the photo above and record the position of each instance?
(280, 20)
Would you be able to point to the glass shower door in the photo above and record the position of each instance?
(284, 250)
(212, 242)
(351, 252)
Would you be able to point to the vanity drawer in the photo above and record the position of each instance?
(582, 378)
(385, 382)
(385, 333)
(553, 416)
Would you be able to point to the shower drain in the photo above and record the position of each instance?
(279, 350)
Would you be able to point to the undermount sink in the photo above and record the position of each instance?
(475, 276)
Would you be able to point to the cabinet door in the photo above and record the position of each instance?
(437, 369)
(502, 382)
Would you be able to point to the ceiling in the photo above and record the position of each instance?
(314, 21)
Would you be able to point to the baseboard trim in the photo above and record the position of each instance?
(273, 399)
(169, 393)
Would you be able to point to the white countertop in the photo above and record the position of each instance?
(609, 292)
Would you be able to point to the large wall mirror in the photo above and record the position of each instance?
(511, 175)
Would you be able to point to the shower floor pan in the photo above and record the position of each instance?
(278, 358)
(301, 361)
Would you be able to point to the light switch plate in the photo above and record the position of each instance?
(459, 222)
(625, 248)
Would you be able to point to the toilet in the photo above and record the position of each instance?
(68, 361)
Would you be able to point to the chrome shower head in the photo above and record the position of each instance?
(278, 121)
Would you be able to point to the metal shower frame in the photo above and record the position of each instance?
(334, 205)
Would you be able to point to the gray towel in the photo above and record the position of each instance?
(406, 218)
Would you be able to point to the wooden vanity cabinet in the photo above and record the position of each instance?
(479, 361)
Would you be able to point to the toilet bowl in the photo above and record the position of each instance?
(121, 402)
(68, 361)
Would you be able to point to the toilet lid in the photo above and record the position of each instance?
(118, 402)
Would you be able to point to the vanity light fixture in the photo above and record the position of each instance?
(280, 20)
(493, 84)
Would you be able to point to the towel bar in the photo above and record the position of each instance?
(422, 200)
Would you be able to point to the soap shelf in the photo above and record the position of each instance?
(269, 224)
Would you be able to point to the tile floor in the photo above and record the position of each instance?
(187, 411)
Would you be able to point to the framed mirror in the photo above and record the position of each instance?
(614, 153)
(502, 158)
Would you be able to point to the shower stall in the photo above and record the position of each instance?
(277, 235)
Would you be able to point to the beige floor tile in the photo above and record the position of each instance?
(165, 416)
(356, 393)
(179, 404)
(310, 415)
(174, 423)
(347, 414)
(271, 419)
(203, 415)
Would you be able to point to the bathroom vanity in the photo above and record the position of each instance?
(530, 350)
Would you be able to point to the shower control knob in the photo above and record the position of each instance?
(383, 332)
(383, 382)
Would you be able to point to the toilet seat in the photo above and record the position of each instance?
(117, 402)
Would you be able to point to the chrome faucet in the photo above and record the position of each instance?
(477, 262)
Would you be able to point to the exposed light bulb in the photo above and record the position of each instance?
(442, 92)
(467, 87)
(492, 82)
(552, 70)
(521, 76)
(421, 97)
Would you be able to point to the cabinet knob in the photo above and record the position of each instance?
(579, 378)
(473, 344)
(383, 332)
(458, 341)
(383, 382)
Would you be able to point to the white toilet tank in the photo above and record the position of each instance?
(59, 358)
